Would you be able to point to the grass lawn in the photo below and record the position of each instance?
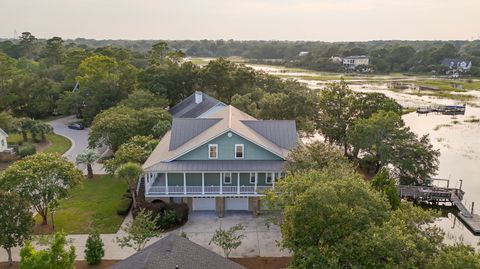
(93, 204)
(57, 143)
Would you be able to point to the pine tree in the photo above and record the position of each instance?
(94, 251)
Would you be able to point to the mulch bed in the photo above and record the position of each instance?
(79, 265)
(263, 262)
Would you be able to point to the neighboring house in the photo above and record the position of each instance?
(173, 252)
(352, 62)
(336, 59)
(223, 161)
(303, 53)
(3, 141)
(460, 65)
(197, 105)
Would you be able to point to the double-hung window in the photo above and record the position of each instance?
(239, 151)
(253, 178)
(269, 178)
(212, 151)
(227, 178)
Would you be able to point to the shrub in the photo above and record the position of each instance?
(94, 251)
(124, 206)
(170, 215)
(26, 150)
(168, 219)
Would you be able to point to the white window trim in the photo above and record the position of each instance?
(243, 151)
(225, 182)
(254, 177)
(271, 178)
(216, 151)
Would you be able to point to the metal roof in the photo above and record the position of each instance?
(218, 165)
(172, 251)
(281, 132)
(185, 129)
(231, 119)
(188, 108)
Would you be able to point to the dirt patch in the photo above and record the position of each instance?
(43, 146)
(263, 262)
(78, 264)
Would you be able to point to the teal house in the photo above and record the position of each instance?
(221, 160)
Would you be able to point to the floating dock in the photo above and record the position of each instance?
(434, 194)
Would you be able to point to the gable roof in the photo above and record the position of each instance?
(454, 62)
(3, 132)
(185, 129)
(228, 119)
(281, 132)
(191, 107)
(174, 250)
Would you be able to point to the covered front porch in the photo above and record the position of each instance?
(209, 184)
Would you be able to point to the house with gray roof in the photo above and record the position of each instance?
(173, 252)
(223, 160)
(197, 105)
(460, 65)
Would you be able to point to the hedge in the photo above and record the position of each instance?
(26, 150)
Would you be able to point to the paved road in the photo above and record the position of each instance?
(79, 139)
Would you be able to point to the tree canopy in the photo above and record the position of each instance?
(41, 180)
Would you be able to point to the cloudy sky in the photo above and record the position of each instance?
(327, 20)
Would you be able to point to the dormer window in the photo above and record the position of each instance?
(239, 151)
(212, 151)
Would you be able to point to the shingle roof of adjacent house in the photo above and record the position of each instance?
(3, 132)
(194, 105)
(278, 137)
(172, 251)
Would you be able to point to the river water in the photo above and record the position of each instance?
(457, 138)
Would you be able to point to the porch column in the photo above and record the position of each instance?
(238, 183)
(273, 180)
(256, 180)
(221, 184)
(184, 183)
(203, 183)
(166, 182)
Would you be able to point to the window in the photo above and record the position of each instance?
(238, 151)
(269, 178)
(227, 178)
(213, 151)
(3, 142)
(252, 178)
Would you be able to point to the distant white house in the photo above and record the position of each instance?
(302, 53)
(3, 141)
(351, 62)
(460, 65)
(336, 59)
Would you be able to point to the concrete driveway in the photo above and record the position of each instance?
(79, 139)
(260, 240)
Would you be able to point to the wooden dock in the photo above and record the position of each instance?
(434, 194)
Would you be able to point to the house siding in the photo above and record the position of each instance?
(226, 150)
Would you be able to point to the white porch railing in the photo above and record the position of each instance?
(175, 190)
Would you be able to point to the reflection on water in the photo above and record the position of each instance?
(459, 144)
(457, 138)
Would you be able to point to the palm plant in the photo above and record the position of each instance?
(87, 157)
(130, 172)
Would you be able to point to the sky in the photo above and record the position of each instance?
(324, 20)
